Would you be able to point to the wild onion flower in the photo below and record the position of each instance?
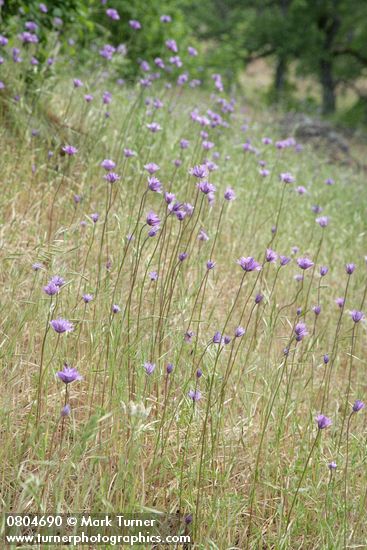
(340, 302)
(171, 45)
(284, 260)
(43, 8)
(152, 219)
(329, 181)
(200, 171)
(128, 153)
(323, 221)
(304, 263)
(87, 298)
(240, 331)
(37, 266)
(316, 209)
(195, 395)
(323, 270)
(316, 310)
(350, 268)
(153, 232)
(270, 255)
(154, 127)
(189, 335)
(182, 256)
(258, 298)
(70, 150)
(149, 368)
(57, 280)
(202, 236)
(206, 187)
(300, 331)
(165, 19)
(332, 465)
(155, 185)
(184, 143)
(169, 368)
(217, 338)
(199, 373)
(356, 315)
(210, 264)
(192, 51)
(115, 308)
(151, 167)
(108, 164)
(94, 217)
(326, 359)
(229, 194)
(286, 177)
(65, 411)
(61, 325)
(111, 177)
(51, 289)
(249, 264)
(134, 24)
(69, 374)
(113, 14)
(358, 406)
(299, 311)
(226, 340)
(323, 421)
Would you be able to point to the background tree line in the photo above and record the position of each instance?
(322, 39)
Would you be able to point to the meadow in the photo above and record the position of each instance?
(182, 324)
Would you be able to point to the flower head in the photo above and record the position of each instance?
(152, 219)
(195, 395)
(304, 263)
(323, 421)
(350, 268)
(249, 264)
(70, 150)
(229, 194)
(300, 331)
(149, 368)
(69, 374)
(358, 406)
(356, 315)
(61, 325)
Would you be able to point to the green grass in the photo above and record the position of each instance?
(234, 458)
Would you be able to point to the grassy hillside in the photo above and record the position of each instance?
(226, 434)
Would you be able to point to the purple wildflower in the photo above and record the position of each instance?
(270, 255)
(108, 164)
(87, 298)
(113, 14)
(69, 150)
(249, 264)
(358, 406)
(210, 264)
(229, 194)
(116, 308)
(286, 177)
(323, 421)
(304, 263)
(323, 270)
(134, 24)
(152, 219)
(51, 289)
(350, 268)
(69, 374)
(300, 331)
(356, 315)
(151, 168)
(169, 368)
(111, 177)
(61, 325)
(240, 331)
(149, 368)
(323, 221)
(195, 395)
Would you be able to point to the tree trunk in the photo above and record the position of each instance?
(280, 75)
(328, 88)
